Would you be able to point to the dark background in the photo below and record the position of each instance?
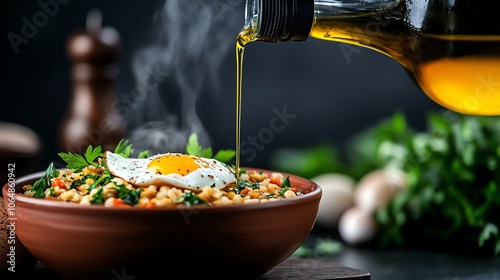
(331, 95)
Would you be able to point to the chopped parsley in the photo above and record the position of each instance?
(97, 197)
(43, 183)
(243, 185)
(77, 183)
(103, 180)
(129, 196)
(283, 191)
(190, 198)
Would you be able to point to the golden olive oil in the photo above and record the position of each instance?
(244, 37)
(459, 72)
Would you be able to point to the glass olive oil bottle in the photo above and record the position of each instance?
(450, 48)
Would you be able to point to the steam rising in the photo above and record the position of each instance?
(191, 40)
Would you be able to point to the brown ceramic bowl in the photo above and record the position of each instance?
(231, 242)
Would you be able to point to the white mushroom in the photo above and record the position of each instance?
(357, 226)
(377, 188)
(337, 196)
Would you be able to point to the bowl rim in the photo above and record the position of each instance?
(68, 206)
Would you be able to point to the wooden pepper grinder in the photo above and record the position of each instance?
(92, 117)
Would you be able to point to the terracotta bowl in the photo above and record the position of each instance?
(231, 242)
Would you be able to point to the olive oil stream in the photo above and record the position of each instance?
(243, 38)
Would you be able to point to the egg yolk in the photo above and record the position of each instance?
(174, 163)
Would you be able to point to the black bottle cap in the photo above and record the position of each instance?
(285, 20)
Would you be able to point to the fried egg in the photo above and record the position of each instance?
(171, 169)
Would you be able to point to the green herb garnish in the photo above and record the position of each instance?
(285, 183)
(194, 148)
(143, 154)
(190, 198)
(129, 196)
(124, 148)
(102, 180)
(283, 191)
(77, 183)
(43, 183)
(97, 197)
(243, 185)
(79, 162)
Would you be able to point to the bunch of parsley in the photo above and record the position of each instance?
(452, 198)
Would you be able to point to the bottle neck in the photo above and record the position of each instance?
(291, 20)
(279, 20)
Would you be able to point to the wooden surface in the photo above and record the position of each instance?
(295, 268)
(290, 269)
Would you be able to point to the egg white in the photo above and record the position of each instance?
(136, 171)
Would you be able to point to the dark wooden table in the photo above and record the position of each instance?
(310, 268)
(292, 268)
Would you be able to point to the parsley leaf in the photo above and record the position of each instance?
(97, 197)
(124, 148)
(244, 184)
(225, 155)
(79, 162)
(103, 180)
(43, 183)
(191, 199)
(143, 154)
(193, 147)
(286, 183)
(283, 191)
(129, 196)
(92, 154)
(77, 183)
(74, 161)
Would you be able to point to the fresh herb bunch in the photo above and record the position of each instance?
(452, 197)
